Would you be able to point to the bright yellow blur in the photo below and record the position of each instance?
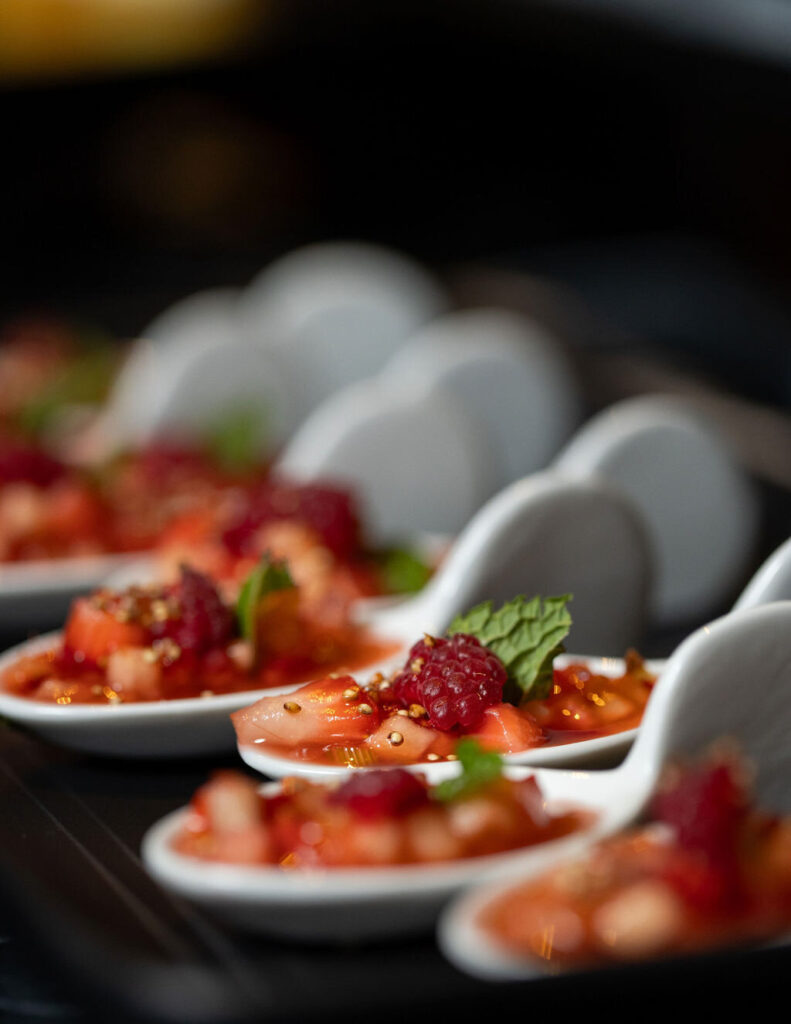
(54, 37)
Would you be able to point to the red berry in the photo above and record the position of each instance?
(329, 511)
(20, 463)
(706, 807)
(203, 620)
(454, 679)
(381, 793)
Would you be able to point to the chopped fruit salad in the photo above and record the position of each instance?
(707, 870)
(50, 509)
(315, 527)
(385, 817)
(182, 639)
(491, 678)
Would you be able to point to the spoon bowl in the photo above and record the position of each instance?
(728, 679)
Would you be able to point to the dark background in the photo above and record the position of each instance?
(641, 169)
(648, 171)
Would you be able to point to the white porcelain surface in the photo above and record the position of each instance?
(542, 535)
(333, 905)
(38, 594)
(150, 729)
(412, 455)
(730, 678)
(506, 371)
(214, 381)
(698, 506)
(591, 753)
(772, 581)
(336, 311)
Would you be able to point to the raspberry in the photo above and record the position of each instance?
(327, 510)
(203, 620)
(706, 807)
(455, 680)
(381, 793)
(23, 463)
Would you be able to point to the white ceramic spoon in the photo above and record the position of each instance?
(543, 535)
(771, 583)
(365, 903)
(505, 370)
(342, 905)
(698, 506)
(336, 311)
(731, 678)
(412, 455)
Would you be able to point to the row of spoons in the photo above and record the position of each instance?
(701, 696)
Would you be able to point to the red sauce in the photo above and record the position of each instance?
(583, 706)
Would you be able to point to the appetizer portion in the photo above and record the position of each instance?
(47, 509)
(385, 817)
(491, 678)
(181, 639)
(315, 527)
(709, 869)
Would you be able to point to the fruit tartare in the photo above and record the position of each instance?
(181, 639)
(709, 870)
(385, 817)
(315, 527)
(491, 678)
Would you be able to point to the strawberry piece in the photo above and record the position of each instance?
(400, 740)
(506, 729)
(381, 793)
(203, 619)
(94, 632)
(318, 714)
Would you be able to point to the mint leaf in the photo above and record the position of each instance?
(267, 577)
(479, 768)
(235, 439)
(526, 636)
(402, 571)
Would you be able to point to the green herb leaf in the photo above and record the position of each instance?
(267, 577)
(479, 768)
(402, 571)
(84, 381)
(235, 440)
(526, 636)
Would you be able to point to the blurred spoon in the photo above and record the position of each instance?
(730, 678)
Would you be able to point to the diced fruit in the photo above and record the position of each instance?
(202, 620)
(322, 712)
(643, 920)
(93, 632)
(506, 729)
(430, 838)
(381, 793)
(24, 463)
(133, 675)
(400, 740)
(454, 679)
